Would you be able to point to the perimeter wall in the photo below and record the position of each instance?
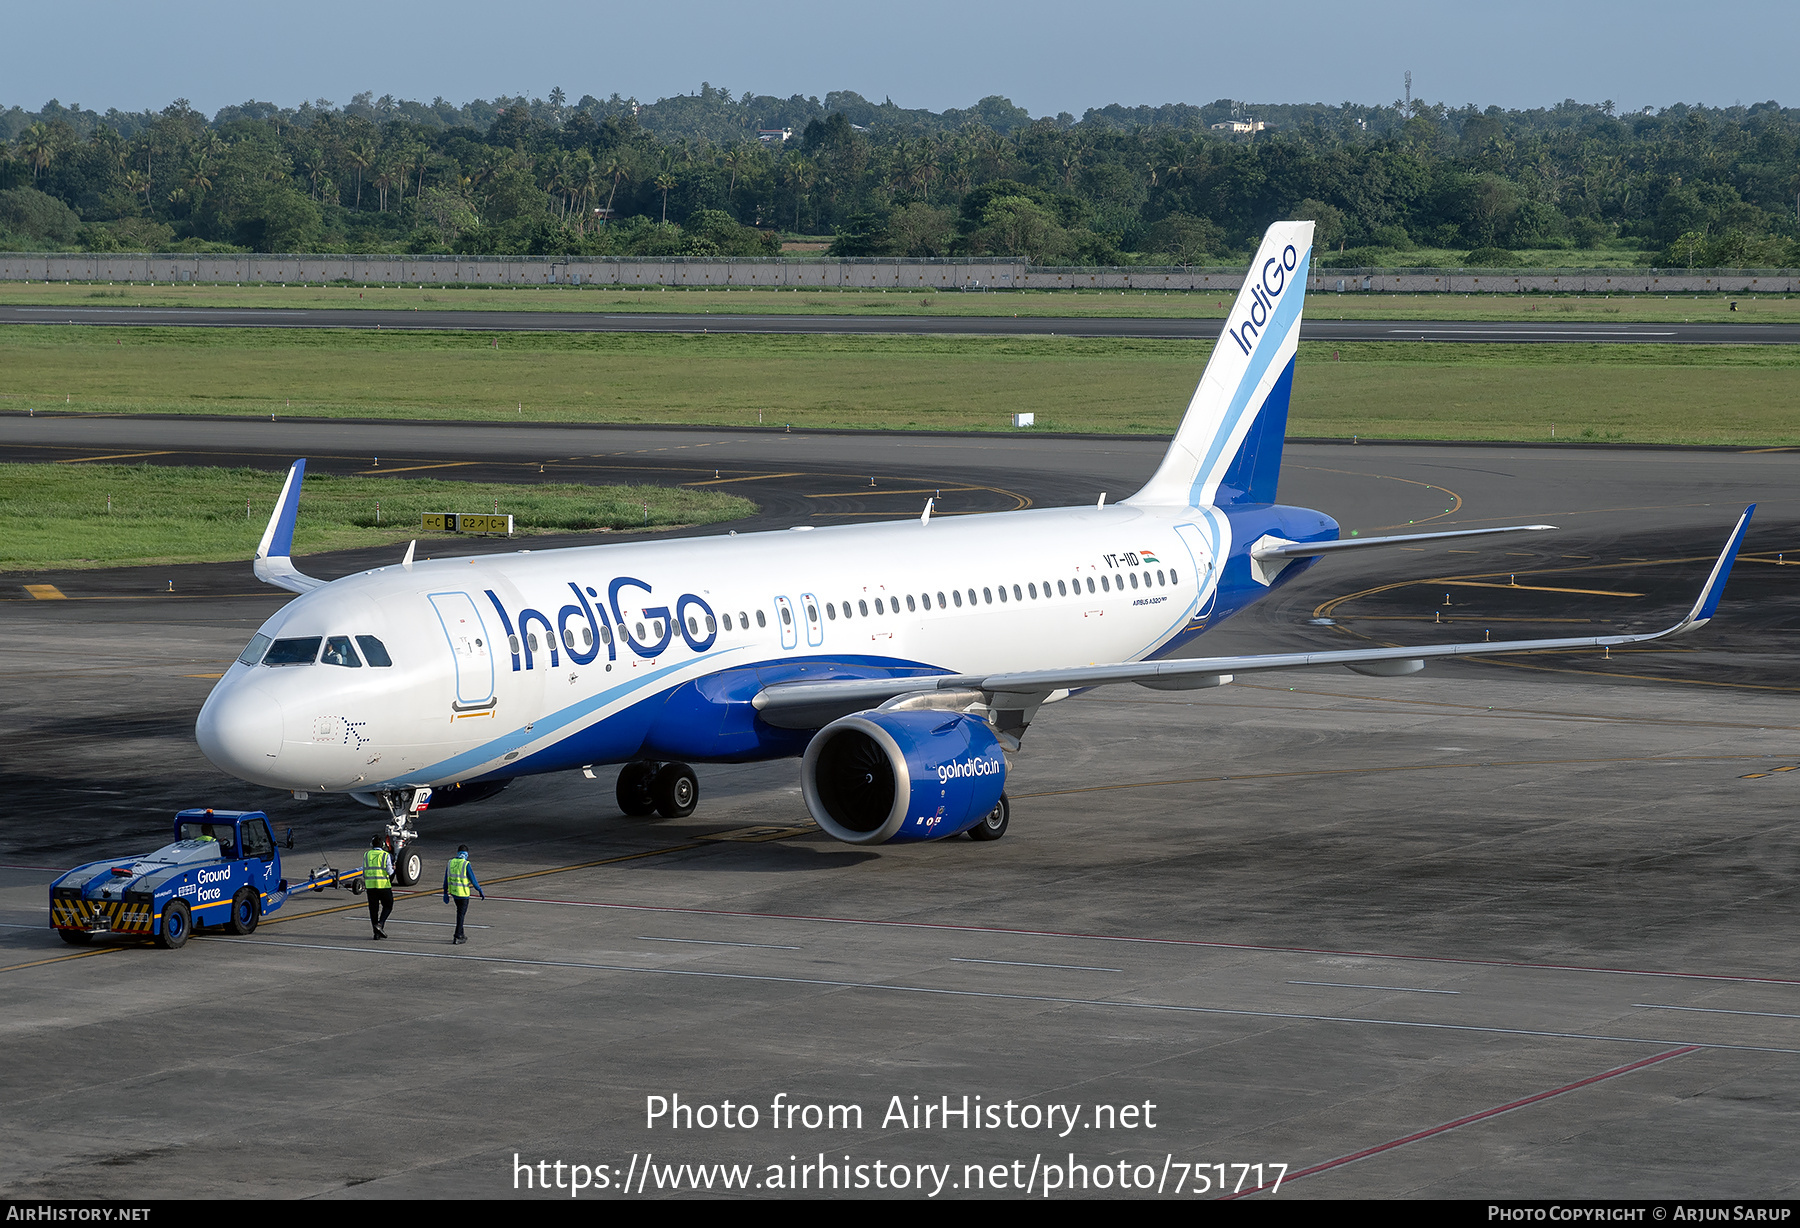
(956, 274)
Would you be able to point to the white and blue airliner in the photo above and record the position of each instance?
(899, 662)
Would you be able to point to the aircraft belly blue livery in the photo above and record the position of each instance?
(900, 662)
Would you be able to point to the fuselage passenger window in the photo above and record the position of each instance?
(830, 611)
(862, 607)
(986, 593)
(761, 622)
(941, 602)
(1061, 588)
(957, 594)
(909, 602)
(1090, 581)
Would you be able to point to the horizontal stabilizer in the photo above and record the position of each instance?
(1280, 548)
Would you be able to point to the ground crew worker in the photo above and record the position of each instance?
(459, 877)
(378, 884)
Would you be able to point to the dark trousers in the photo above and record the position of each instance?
(462, 910)
(381, 903)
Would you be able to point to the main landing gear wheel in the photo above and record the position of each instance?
(994, 825)
(246, 911)
(676, 791)
(175, 925)
(633, 790)
(409, 867)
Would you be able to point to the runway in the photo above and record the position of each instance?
(1497, 930)
(912, 326)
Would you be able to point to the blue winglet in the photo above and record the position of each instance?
(278, 538)
(1715, 583)
(272, 564)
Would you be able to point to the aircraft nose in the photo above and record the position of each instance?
(239, 729)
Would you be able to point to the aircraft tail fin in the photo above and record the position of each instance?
(1228, 448)
(273, 564)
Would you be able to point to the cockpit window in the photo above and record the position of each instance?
(253, 651)
(293, 652)
(376, 652)
(339, 652)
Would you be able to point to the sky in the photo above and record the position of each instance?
(1047, 56)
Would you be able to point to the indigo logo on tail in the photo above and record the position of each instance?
(1273, 281)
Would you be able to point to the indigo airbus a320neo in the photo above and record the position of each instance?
(899, 662)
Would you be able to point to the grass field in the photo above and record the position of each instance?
(54, 517)
(1630, 393)
(1323, 305)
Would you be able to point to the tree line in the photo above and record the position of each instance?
(712, 174)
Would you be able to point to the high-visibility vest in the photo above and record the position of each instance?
(375, 871)
(459, 877)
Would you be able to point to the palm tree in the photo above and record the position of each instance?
(200, 180)
(736, 159)
(38, 145)
(1185, 163)
(923, 170)
(800, 174)
(360, 153)
(387, 173)
(413, 158)
(586, 181)
(666, 182)
(617, 168)
(1070, 161)
(312, 165)
(138, 184)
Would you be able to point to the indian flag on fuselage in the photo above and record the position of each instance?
(1228, 449)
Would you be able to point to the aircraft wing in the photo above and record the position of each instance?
(788, 704)
(273, 564)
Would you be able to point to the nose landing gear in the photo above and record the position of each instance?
(399, 836)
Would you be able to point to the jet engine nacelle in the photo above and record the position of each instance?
(899, 776)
